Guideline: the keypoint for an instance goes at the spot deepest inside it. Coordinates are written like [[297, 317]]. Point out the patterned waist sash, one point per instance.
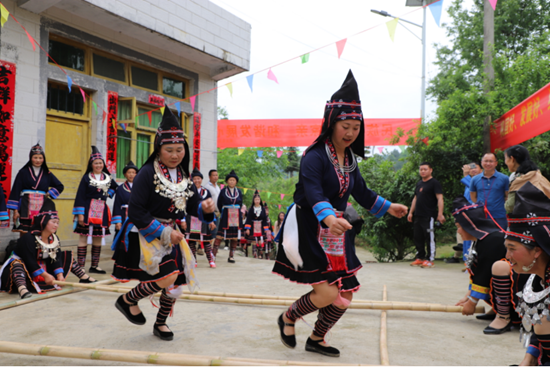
[[334, 247]]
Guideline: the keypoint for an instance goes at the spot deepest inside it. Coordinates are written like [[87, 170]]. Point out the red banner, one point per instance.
[[301, 132], [523, 122], [7, 101], [112, 111], [197, 140]]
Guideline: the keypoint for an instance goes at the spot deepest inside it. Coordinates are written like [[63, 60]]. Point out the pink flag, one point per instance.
[[282, 196], [83, 95], [493, 3], [192, 100], [221, 186], [30, 39], [380, 149], [279, 153], [279, 206], [150, 116], [340, 46], [272, 76], [104, 116]]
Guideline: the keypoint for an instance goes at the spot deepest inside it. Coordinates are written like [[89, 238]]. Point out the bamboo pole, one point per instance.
[[404, 306], [134, 356], [50, 294], [384, 356]]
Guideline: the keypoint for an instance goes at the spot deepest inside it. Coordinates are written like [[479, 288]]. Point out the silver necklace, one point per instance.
[[50, 248], [177, 192], [342, 168], [532, 308], [104, 185]]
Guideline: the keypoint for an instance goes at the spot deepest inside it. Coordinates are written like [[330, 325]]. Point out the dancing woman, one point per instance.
[[320, 254]]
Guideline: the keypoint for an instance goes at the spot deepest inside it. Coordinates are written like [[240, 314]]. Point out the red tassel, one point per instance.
[[337, 263]]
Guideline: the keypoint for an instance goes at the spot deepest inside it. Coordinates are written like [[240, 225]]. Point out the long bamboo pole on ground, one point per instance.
[[134, 356], [272, 302], [384, 356], [50, 294]]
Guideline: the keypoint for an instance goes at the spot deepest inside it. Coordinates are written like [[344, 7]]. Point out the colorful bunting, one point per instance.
[[245, 190], [124, 127], [380, 149], [392, 24], [230, 87], [221, 186], [493, 4], [272, 76], [31, 40], [150, 116], [279, 206], [425, 141], [104, 117], [402, 148], [305, 58], [95, 106], [282, 196], [436, 11], [260, 153], [340, 46], [240, 151], [162, 110], [69, 83], [268, 195], [83, 95], [279, 153], [192, 101], [178, 107], [4, 14], [250, 79], [114, 123]]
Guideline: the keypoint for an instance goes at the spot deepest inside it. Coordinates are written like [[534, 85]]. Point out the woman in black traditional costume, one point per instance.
[[315, 248], [93, 216], [150, 247], [37, 260], [122, 197], [32, 184], [229, 203], [256, 227], [200, 233]]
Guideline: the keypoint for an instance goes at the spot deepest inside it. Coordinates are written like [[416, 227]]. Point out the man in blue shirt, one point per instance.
[[491, 188]]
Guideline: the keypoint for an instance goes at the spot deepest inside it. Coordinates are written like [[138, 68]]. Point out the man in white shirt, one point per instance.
[[214, 189]]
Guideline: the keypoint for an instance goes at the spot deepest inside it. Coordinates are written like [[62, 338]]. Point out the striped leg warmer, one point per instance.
[[96, 251], [208, 250], [166, 304], [502, 290], [328, 316], [301, 307], [193, 247], [77, 269], [81, 255], [216, 246], [141, 291], [18, 274]]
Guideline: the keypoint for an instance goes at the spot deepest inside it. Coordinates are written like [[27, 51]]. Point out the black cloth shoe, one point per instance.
[[96, 270], [452, 260], [492, 331], [27, 294], [124, 307], [314, 346], [459, 247], [289, 341], [163, 335], [87, 280], [486, 316], [231, 260]]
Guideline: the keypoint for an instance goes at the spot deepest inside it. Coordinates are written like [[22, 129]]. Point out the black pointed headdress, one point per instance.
[[472, 218], [130, 165], [96, 154], [232, 174], [170, 132], [36, 150], [47, 212], [344, 105], [197, 173], [257, 194]]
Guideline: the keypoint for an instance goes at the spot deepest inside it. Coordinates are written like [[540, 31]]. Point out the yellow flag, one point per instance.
[[230, 87], [4, 14], [162, 110], [392, 24], [240, 151], [114, 123], [245, 190]]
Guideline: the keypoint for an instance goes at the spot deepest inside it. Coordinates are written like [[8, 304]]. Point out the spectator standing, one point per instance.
[[214, 189], [491, 188], [427, 206]]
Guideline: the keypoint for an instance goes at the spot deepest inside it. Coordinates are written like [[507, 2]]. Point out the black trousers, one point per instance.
[[424, 239]]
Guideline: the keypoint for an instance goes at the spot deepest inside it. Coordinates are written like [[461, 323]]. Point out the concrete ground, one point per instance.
[[89, 319]]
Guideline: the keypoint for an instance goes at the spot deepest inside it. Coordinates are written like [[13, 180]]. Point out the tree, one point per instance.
[[293, 161]]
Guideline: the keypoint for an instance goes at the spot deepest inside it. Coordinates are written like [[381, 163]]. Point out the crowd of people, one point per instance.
[[164, 217]]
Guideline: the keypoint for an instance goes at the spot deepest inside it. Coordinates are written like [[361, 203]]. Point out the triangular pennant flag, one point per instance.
[[305, 58], [279, 153], [425, 141], [31, 40], [104, 117], [150, 116], [240, 151], [192, 101], [124, 127], [340, 46], [178, 107], [230, 87], [402, 148], [162, 110], [279, 206], [83, 95], [95, 106], [380, 149], [245, 190], [436, 11], [69, 83], [5, 14], [392, 24], [493, 4], [268, 195], [250, 80], [282, 196], [222, 186], [260, 153], [272, 76], [114, 123]]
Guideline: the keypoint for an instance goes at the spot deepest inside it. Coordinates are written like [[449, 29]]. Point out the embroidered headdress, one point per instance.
[[472, 218], [197, 173], [343, 105], [36, 150], [232, 174], [47, 212], [96, 154], [130, 165]]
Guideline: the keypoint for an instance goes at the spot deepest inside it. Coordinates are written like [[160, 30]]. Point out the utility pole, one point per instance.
[[488, 47]]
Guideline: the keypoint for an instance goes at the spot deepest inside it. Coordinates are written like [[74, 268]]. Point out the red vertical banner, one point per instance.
[[197, 140], [7, 102], [112, 112]]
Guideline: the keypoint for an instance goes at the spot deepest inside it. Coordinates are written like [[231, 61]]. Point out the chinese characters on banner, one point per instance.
[[7, 99], [301, 132], [112, 110], [523, 122], [197, 140], [158, 100]]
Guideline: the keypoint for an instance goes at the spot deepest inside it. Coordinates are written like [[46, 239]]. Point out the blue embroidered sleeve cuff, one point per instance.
[[534, 351], [478, 295], [116, 219], [78, 210], [206, 218], [152, 231], [322, 210], [13, 205], [111, 193], [53, 193], [4, 216], [37, 273], [58, 271], [380, 207]]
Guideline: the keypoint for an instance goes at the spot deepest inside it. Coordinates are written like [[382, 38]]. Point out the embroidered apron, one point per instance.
[[257, 228], [196, 225], [95, 215], [35, 204], [233, 217], [334, 247]]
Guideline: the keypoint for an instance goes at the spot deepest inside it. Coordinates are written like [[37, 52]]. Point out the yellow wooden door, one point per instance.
[[67, 148]]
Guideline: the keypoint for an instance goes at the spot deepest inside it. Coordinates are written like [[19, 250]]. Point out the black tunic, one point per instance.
[[120, 206], [258, 220], [227, 202], [204, 233], [489, 250]]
